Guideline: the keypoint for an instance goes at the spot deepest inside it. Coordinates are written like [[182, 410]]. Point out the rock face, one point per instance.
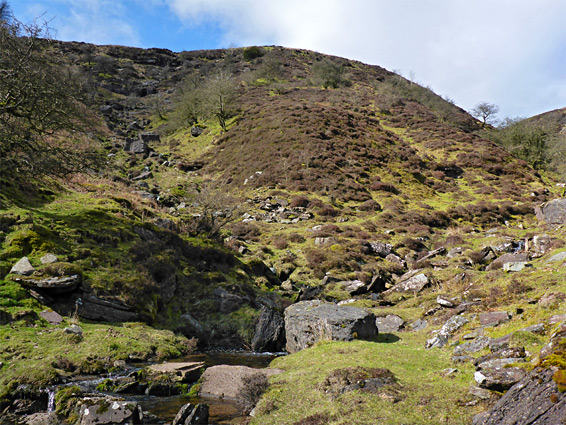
[[226, 381], [95, 308], [269, 331], [310, 321], [553, 212], [535, 399]]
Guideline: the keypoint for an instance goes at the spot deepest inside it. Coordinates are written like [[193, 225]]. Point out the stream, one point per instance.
[[221, 412]]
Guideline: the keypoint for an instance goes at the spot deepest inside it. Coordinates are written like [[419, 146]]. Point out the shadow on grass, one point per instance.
[[387, 338]]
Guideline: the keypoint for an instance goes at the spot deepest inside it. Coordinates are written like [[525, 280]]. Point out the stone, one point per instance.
[[447, 330], [23, 267], [49, 259], [53, 285], [269, 332], [108, 410], [52, 317], [534, 399], [136, 146], [308, 322], [353, 287], [175, 371], [479, 392], [499, 379], [499, 263], [551, 300], [553, 212], [541, 243], [503, 353], [381, 249], [150, 137], [414, 284], [473, 346], [226, 381], [446, 302], [94, 308], [455, 252], [42, 418], [557, 318], [191, 414], [514, 266], [226, 302], [499, 363], [143, 176], [389, 323], [556, 258], [419, 325], [500, 343], [190, 326], [539, 329], [74, 330], [493, 318], [196, 131]]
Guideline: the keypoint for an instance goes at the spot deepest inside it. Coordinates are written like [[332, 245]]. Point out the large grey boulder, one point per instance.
[[308, 322], [553, 212], [535, 399]]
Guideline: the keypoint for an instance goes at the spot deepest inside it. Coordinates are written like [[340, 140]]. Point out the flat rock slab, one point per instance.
[[181, 372], [52, 317], [494, 318], [55, 285], [226, 381], [308, 322]]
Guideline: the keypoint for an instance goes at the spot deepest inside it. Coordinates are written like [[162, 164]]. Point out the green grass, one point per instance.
[[427, 397]]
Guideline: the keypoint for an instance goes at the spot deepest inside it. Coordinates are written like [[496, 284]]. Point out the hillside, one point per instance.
[[314, 177]]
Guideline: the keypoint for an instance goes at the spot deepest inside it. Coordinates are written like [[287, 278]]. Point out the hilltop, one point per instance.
[[314, 177]]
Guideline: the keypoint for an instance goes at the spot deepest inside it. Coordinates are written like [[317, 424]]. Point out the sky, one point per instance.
[[511, 53]]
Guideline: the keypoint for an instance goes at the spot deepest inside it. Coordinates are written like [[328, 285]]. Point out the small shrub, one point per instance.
[[253, 52], [253, 387], [299, 201], [370, 205]]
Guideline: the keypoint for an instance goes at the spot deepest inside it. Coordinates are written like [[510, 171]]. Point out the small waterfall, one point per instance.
[[50, 399]]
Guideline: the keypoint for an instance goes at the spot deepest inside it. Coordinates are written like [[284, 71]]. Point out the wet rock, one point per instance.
[[49, 259], [227, 381], [494, 318], [23, 267], [191, 414], [389, 323], [108, 410], [535, 399], [307, 322], [52, 317], [269, 332], [53, 285], [175, 372]]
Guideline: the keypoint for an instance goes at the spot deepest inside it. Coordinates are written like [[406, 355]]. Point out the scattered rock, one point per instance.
[[473, 346], [307, 322], [136, 146], [479, 392], [23, 267], [521, 257], [49, 259], [389, 323], [447, 330], [494, 318], [414, 284], [381, 249], [52, 317], [227, 381], [550, 300], [541, 243], [446, 302], [196, 131], [455, 252], [539, 329], [499, 379]]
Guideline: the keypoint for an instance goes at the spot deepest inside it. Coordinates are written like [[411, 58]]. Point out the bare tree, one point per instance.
[[219, 97], [485, 111]]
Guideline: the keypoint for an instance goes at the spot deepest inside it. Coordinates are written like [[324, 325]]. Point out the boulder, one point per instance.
[[226, 302], [307, 322], [353, 287], [414, 284], [23, 267], [494, 318], [556, 258], [53, 285], [553, 212], [49, 259], [94, 308], [521, 257], [136, 146], [515, 266], [175, 371], [226, 381], [447, 330], [269, 332], [535, 399], [389, 323], [499, 379], [52, 317], [473, 346], [196, 131], [108, 410]]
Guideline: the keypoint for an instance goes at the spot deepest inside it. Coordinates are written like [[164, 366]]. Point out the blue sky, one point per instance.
[[508, 52]]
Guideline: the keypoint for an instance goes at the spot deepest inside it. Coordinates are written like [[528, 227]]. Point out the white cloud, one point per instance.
[[496, 50]]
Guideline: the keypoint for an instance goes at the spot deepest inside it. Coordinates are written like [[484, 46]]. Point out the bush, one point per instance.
[[253, 52]]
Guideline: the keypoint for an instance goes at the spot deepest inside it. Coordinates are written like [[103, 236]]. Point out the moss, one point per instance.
[[560, 378], [66, 400]]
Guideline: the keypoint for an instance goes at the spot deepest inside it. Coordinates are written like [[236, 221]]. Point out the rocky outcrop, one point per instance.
[[227, 381], [535, 399], [269, 332], [310, 321], [94, 308], [52, 285]]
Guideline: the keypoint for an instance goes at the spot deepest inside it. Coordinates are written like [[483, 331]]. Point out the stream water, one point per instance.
[[221, 411]]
